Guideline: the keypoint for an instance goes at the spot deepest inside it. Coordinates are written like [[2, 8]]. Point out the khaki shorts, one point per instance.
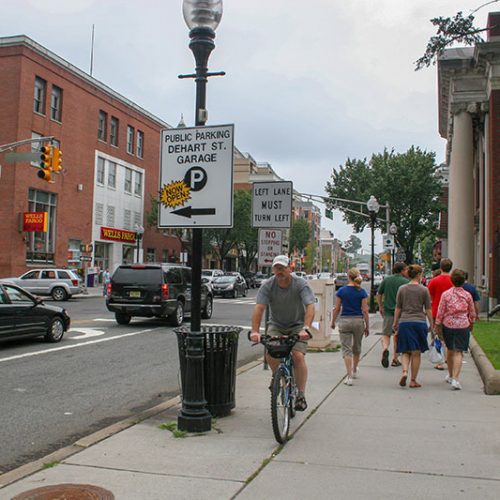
[[274, 330], [351, 331], [387, 326]]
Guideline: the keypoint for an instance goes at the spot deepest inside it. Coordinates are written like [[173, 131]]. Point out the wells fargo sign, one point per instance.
[[35, 221], [109, 233]]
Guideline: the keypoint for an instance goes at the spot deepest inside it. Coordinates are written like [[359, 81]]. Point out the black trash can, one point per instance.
[[221, 354]]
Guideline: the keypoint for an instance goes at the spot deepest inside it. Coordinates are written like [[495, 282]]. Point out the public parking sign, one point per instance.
[[270, 245], [196, 177], [272, 204]]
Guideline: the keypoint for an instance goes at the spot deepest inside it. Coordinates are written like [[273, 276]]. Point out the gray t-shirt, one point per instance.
[[413, 300], [287, 305]]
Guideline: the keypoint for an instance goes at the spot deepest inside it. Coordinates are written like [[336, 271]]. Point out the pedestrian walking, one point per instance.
[[456, 314], [106, 278], [352, 305], [436, 287], [469, 287], [386, 299], [413, 309]]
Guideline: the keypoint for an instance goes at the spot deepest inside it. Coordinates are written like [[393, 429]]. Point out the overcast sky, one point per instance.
[[309, 82]]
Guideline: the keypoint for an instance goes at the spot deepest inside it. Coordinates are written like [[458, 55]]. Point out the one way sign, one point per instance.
[[196, 177]]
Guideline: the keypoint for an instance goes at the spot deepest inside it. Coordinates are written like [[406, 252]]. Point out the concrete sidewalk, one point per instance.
[[369, 441]]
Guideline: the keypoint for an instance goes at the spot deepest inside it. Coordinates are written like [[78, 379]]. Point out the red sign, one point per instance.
[[109, 233], [35, 222]]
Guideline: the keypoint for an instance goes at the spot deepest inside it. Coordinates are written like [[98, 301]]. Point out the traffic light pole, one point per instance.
[[13, 145]]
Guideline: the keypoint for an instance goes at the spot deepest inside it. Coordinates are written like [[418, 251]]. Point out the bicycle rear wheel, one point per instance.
[[280, 406]]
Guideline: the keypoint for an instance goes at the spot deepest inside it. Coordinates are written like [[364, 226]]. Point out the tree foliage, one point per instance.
[[300, 235], [407, 181], [450, 30], [353, 244]]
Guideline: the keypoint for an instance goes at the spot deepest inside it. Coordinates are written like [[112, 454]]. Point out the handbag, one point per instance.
[[436, 352]]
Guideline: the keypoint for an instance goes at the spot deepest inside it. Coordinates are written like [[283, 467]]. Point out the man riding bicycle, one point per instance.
[[291, 303]]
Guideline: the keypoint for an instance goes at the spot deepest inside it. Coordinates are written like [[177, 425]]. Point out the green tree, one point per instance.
[[451, 30], [353, 244], [245, 236], [300, 234], [407, 181]]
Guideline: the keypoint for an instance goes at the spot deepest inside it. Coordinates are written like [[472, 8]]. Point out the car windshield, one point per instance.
[[207, 273], [137, 276], [225, 279]]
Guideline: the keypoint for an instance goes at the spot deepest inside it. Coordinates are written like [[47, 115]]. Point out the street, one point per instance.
[[100, 373]]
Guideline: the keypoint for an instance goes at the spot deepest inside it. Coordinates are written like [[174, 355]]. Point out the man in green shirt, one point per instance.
[[386, 298]]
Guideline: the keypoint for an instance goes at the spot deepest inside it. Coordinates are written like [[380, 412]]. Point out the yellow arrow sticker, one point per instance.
[[174, 194]]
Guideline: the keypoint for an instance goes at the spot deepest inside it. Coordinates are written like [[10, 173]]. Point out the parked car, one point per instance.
[[238, 275], [230, 286], [341, 279], [325, 276], [250, 279], [24, 315], [300, 274], [211, 274], [61, 284], [260, 278], [154, 290]]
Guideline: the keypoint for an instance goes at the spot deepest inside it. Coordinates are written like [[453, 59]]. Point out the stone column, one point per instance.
[[461, 194]]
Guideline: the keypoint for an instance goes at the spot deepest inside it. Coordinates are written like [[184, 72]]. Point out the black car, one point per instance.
[[230, 286], [154, 290], [24, 315]]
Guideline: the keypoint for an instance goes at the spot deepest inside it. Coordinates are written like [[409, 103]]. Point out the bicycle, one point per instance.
[[283, 387]]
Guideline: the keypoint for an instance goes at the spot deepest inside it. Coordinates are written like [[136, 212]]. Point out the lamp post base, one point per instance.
[[198, 423]]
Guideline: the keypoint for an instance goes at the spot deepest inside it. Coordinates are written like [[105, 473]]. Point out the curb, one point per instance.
[[100, 435], [489, 375]]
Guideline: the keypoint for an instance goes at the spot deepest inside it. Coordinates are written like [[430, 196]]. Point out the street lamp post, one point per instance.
[[393, 229], [202, 18], [373, 207], [139, 231]]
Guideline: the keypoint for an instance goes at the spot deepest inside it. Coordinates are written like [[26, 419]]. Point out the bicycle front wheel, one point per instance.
[[280, 406]]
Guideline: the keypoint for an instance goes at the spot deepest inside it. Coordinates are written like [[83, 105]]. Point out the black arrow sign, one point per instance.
[[190, 211]]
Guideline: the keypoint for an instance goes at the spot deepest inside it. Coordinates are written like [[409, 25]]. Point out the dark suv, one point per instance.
[[154, 290]]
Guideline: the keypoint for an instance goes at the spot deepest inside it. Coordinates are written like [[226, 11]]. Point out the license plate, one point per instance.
[[134, 294]]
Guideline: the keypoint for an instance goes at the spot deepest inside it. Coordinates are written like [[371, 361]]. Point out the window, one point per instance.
[[99, 214], [138, 184], [40, 246], [111, 174], [56, 103], [150, 255], [100, 170], [128, 180], [110, 216], [164, 255], [40, 90], [127, 219], [140, 144], [137, 219], [113, 133], [130, 139], [102, 126]]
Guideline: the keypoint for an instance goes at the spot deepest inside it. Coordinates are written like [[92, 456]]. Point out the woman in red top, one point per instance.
[[456, 313]]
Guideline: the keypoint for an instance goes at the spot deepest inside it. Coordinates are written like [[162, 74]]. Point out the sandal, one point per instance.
[[396, 362], [300, 403], [414, 384], [402, 381]]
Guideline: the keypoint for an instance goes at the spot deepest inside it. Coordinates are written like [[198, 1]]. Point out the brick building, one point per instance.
[[110, 166]]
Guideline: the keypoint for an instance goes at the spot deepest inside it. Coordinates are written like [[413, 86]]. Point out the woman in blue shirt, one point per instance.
[[352, 306]]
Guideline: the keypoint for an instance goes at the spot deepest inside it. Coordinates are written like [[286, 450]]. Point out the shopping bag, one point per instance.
[[436, 352]]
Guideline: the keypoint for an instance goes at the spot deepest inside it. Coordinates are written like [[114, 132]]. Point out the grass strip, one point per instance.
[[487, 335]]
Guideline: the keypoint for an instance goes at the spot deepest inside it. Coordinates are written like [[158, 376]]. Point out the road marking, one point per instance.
[[87, 333], [65, 347]]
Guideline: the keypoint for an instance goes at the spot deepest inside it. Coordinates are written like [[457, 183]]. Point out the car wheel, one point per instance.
[[59, 294], [55, 331], [235, 294], [177, 318], [244, 292], [208, 310], [122, 318]]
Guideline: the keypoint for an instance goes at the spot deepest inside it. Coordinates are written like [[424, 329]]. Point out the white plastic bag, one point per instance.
[[436, 352]]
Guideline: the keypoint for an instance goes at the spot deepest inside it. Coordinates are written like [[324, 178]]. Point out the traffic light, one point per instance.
[[56, 160], [45, 171]]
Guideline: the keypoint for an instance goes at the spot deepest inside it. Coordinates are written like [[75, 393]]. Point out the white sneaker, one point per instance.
[[455, 384], [348, 381], [355, 373], [448, 379]]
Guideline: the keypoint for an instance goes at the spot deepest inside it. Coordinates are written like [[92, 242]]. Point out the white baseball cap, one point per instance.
[[281, 260]]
